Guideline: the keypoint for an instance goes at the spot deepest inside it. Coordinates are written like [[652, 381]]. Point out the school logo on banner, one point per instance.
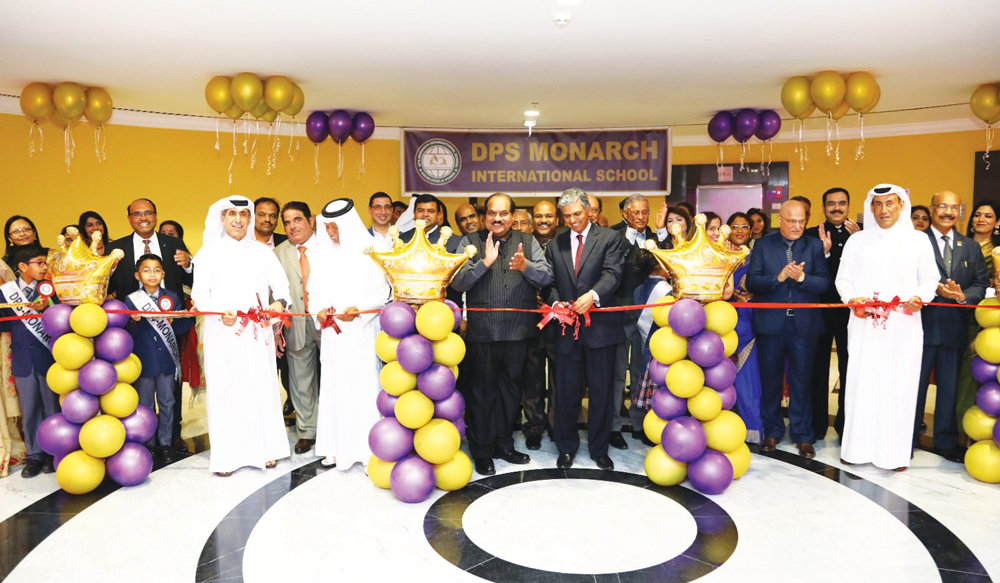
[[438, 161]]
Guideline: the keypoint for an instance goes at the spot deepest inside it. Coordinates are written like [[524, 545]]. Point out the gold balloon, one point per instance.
[[279, 92], [99, 106], [977, 424], [795, 97], [260, 109], [298, 101], [993, 120], [69, 100], [985, 102], [827, 91], [871, 106], [57, 119], [36, 101], [841, 111], [269, 116], [80, 274], [861, 88], [234, 112], [982, 461], [218, 94], [247, 91]]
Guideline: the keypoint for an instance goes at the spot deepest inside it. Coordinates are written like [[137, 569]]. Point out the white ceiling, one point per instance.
[[479, 63]]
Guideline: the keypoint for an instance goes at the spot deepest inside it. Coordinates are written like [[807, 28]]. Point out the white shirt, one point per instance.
[[574, 243], [635, 236], [383, 243], [26, 288], [939, 238], [139, 248]]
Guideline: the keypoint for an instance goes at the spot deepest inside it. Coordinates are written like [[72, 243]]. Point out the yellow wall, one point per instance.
[[183, 173]]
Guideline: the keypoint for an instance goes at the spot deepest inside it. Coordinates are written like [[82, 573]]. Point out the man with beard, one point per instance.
[[265, 221], [963, 280], [509, 274], [833, 233], [380, 211], [466, 219]]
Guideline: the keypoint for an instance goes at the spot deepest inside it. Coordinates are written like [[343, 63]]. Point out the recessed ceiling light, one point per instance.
[[531, 113]]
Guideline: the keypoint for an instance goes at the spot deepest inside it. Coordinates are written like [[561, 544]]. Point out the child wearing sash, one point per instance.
[[156, 345], [30, 352]]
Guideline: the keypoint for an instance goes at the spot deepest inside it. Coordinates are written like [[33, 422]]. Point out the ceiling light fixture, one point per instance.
[[533, 112], [529, 123], [562, 19]]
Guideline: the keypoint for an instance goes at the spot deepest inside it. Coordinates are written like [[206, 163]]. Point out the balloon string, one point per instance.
[[829, 130], [270, 149], [292, 139], [41, 138], [66, 148], [805, 145], [217, 131], [104, 142], [340, 161], [794, 141], [989, 144], [246, 135], [860, 153], [770, 153], [31, 139], [802, 151], [276, 149], [762, 171], [837, 124], [97, 143], [361, 170], [316, 161], [253, 148], [743, 153], [233, 159], [719, 159]]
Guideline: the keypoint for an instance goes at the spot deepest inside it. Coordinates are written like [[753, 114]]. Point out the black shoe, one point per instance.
[[48, 467], [31, 469], [289, 408], [180, 447], [533, 442], [955, 455], [513, 457], [604, 462], [617, 441], [564, 461], [484, 467], [641, 436]]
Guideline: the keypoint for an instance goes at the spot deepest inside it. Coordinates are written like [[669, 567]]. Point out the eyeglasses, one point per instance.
[[946, 207], [140, 214], [148, 271], [21, 231], [42, 262], [794, 222]]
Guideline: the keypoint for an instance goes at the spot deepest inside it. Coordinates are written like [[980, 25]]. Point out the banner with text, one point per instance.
[[475, 163]]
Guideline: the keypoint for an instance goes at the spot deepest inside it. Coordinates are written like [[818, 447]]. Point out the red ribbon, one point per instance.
[[330, 322]]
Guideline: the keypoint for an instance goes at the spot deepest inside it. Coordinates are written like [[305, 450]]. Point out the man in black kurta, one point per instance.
[[511, 269]]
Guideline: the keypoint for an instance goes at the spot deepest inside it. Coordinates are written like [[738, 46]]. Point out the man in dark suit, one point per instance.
[[587, 264], [787, 268], [177, 272], [833, 234], [426, 209], [964, 280], [265, 210]]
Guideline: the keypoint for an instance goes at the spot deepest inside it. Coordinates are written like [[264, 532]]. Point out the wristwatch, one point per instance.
[[801, 278]]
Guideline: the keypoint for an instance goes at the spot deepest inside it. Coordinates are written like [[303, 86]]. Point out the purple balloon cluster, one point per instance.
[[340, 125], [59, 434], [412, 478], [746, 124]]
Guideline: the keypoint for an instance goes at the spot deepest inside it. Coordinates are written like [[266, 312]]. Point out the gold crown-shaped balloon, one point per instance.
[[79, 274], [418, 271], [699, 268]]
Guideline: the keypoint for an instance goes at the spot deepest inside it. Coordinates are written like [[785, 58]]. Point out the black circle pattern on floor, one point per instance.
[[714, 542]]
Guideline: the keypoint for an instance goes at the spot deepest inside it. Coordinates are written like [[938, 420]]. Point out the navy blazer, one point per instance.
[[766, 262], [28, 354], [123, 281], [949, 327], [601, 271], [152, 352]]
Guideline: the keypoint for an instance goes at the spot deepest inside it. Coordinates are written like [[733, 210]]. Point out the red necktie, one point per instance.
[[146, 250], [579, 253], [304, 268]]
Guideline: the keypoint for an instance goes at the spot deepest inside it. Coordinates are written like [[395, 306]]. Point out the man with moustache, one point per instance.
[[509, 274], [297, 255], [587, 265], [426, 209], [522, 221], [466, 219], [265, 221], [380, 211], [787, 268], [963, 280], [833, 233]]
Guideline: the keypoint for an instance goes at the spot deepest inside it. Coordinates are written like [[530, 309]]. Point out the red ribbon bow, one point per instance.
[[330, 322], [565, 315]]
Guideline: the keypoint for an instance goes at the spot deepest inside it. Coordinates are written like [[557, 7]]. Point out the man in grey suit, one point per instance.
[[587, 265], [302, 338]]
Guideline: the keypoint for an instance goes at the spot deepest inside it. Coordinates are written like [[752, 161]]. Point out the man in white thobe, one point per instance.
[[245, 424], [346, 281], [891, 259]]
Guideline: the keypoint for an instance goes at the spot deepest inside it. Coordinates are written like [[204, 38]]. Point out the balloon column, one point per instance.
[[982, 460], [697, 436], [102, 426], [339, 125], [64, 105], [985, 104], [745, 124]]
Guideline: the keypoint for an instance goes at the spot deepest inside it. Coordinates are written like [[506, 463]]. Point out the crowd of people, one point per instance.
[[559, 252]]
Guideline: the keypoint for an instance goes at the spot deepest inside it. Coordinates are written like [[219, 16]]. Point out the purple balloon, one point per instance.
[[398, 319], [667, 405], [687, 317], [744, 126], [450, 408], [116, 320], [728, 397], [658, 372], [389, 440], [684, 438], [457, 311], [130, 466], [98, 376], [79, 406], [988, 398], [982, 371], [386, 404], [437, 382], [113, 345], [55, 320], [721, 126], [140, 426], [56, 459], [721, 375], [768, 124], [460, 425], [711, 473], [412, 480], [363, 126], [317, 126], [341, 125], [415, 353], [58, 435], [706, 349]]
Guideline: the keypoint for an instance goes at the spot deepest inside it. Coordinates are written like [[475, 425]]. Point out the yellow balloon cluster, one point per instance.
[[831, 93], [245, 92], [985, 103], [982, 460], [65, 104]]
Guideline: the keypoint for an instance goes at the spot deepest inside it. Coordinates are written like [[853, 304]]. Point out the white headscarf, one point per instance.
[[903, 224], [215, 231], [405, 221], [343, 275]]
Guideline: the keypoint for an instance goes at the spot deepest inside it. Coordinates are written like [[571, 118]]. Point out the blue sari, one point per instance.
[[747, 369]]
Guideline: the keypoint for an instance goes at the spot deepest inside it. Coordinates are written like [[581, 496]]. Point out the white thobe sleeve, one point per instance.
[[201, 290], [846, 273]]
